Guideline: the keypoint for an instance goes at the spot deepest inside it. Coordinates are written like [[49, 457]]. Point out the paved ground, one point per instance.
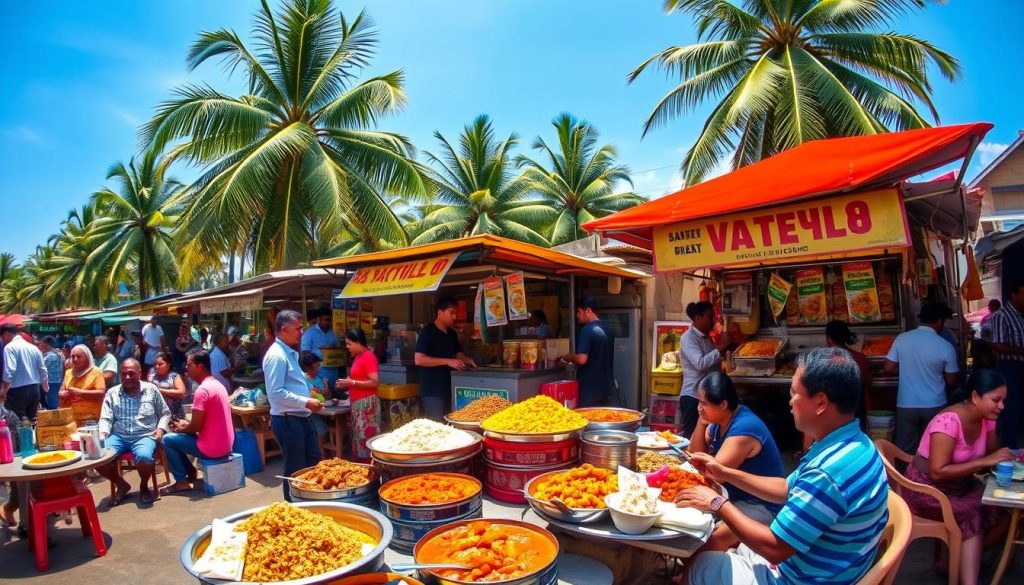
[[144, 543]]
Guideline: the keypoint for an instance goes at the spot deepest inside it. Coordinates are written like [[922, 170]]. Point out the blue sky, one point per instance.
[[79, 77]]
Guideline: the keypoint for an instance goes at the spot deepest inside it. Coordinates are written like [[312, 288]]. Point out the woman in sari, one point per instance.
[[84, 387], [361, 383]]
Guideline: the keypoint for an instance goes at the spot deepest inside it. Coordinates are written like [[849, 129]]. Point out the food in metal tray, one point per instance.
[[429, 488], [540, 414], [423, 436], [480, 409], [760, 348], [608, 415], [878, 346], [496, 551], [336, 474], [649, 461], [581, 487]]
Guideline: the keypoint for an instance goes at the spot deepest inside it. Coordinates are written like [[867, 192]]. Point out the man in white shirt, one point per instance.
[[927, 366], [290, 404], [153, 342], [24, 373], [220, 362]]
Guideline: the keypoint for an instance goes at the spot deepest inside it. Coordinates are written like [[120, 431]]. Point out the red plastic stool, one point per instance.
[[40, 509]]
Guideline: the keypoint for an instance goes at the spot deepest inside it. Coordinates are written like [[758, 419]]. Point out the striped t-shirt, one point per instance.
[[836, 512], [1008, 327]]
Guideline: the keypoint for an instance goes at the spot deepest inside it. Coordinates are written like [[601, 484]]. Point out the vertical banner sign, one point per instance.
[[494, 302], [810, 292], [517, 310], [336, 301], [478, 313], [366, 315], [737, 294], [861, 294], [778, 291], [338, 322], [856, 222], [352, 314]]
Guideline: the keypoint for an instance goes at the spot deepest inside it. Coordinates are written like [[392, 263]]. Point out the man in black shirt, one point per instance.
[[595, 356], [438, 352]]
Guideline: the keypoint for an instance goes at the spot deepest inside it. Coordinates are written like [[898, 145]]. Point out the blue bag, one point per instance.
[[245, 443]]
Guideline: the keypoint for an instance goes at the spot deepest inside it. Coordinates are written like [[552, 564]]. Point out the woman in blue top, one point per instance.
[[737, 438]]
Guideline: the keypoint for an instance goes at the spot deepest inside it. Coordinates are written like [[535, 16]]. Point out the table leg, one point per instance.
[[339, 447], [1008, 547]]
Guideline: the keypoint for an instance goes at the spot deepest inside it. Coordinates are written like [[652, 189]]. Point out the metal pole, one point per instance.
[[572, 311], [304, 313]]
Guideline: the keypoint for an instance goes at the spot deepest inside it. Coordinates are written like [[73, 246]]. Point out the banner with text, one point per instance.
[[232, 304], [846, 223], [399, 278]]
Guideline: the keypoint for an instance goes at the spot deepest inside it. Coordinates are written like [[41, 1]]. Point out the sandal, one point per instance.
[[119, 497], [147, 497], [171, 489]]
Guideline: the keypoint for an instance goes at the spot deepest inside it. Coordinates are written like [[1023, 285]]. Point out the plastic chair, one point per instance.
[[945, 530], [40, 510], [893, 545], [126, 463]]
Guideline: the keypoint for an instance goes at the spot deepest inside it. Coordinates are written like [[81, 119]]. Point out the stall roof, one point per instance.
[[812, 169], [16, 319], [493, 249], [281, 283]]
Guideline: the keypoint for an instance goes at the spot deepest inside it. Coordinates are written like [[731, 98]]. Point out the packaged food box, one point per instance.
[[56, 417], [55, 435], [666, 383]]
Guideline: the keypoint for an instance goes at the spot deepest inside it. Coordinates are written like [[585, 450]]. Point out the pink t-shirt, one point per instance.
[[218, 434], [364, 365], [948, 423]]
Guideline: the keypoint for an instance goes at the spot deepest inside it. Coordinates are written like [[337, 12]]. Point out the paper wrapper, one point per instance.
[[225, 557]]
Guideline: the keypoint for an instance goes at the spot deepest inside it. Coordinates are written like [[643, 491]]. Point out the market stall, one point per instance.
[[830, 230]]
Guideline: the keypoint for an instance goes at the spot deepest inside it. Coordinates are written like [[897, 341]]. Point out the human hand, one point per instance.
[[997, 456], [724, 341], [470, 362], [179, 425], [314, 405], [343, 383], [708, 466], [699, 497], [64, 394], [456, 364], [158, 434]]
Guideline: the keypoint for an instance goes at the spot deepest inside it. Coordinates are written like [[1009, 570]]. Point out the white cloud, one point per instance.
[[126, 116], [990, 151], [22, 133]]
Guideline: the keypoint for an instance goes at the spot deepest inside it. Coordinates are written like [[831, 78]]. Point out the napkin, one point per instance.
[[686, 519], [224, 558]]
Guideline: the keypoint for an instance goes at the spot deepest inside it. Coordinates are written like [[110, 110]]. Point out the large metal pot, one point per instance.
[[610, 449], [350, 516], [546, 575], [301, 490], [546, 508], [632, 424], [431, 457]]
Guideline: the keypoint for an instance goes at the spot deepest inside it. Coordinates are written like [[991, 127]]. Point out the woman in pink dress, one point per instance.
[[362, 383], [959, 442]]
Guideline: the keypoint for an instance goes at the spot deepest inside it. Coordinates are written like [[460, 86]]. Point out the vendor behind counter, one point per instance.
[[438, 352]]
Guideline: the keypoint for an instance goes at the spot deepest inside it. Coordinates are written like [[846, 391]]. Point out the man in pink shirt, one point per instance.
[[209, 434]]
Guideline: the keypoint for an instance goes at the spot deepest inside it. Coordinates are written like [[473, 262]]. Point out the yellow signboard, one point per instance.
[[399, 278], [866, 221]]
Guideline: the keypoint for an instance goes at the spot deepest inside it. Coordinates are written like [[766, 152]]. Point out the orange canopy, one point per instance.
[[813, 169]]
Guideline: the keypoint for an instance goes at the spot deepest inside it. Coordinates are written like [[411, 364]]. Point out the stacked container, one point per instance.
[[511, 460]]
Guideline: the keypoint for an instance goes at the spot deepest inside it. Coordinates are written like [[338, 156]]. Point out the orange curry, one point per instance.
[[608, 415], [496, 551], [429, 488]]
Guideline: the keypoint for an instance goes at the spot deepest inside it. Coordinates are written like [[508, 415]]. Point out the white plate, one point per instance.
[[650, 440], [28, 464]]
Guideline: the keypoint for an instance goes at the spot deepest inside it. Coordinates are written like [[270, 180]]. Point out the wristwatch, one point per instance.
[[717, 503]]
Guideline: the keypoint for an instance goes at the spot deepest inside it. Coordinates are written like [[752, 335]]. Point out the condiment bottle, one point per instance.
[[27, 438], [6, 443]]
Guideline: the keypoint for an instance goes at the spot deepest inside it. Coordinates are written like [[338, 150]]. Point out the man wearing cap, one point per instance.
[[153, 342], [595, 347], [318, 337]]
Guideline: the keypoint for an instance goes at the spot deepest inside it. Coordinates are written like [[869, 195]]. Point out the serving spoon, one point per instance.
[[403, 567]]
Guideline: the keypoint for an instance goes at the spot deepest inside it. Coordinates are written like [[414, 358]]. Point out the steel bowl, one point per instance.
[[348, 515], [533, 437], [542, 576], [298, 489], [627, 425], [546, 508], [473, 426], [431, 457]]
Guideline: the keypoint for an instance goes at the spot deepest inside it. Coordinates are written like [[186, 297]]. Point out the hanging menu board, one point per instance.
[[861, 292], [810, 292], [494, 302], [516, 286]]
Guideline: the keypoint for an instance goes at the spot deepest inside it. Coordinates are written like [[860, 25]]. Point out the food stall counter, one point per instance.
[[511, 384]]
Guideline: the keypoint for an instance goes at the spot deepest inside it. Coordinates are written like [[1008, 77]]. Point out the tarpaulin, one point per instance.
[[813, 169]]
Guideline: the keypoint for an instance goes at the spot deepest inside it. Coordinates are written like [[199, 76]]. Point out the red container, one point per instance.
[[505, 482], [511, 453], [564, 392], [663, 427]]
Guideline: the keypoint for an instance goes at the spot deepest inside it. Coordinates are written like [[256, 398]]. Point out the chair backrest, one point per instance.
[[890, 455], [893, 544]]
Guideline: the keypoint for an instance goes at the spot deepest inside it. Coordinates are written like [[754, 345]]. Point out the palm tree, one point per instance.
[[8, 265], [789, 71], [476, 192], [66, 274], [580, 184], [24, 289], [296, 158], [134, 223]]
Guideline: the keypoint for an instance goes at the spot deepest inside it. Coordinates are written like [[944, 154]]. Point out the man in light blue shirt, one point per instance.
[[290, 402], [927, 365], [23, 373], [319, 336]]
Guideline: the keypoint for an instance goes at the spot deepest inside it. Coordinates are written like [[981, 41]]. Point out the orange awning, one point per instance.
[[813, 169]]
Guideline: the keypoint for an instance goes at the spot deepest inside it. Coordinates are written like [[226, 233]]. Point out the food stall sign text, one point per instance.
[[855, 222], [399, 278], [464, 396], [238, 304]]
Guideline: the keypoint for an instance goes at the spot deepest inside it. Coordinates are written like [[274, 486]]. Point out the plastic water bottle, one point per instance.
[[27, 438], [6, 443]]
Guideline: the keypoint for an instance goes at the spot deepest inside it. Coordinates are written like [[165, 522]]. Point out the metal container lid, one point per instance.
[[610, 438]]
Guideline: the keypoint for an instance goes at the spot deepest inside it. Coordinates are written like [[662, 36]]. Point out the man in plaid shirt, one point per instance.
[[133, 420], [1008, 343]]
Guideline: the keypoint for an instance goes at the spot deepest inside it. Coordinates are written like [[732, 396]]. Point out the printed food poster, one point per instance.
[[494, 302], [338, 322], [352, 314], [737, 294], [366, 315], [861, 293], [517, 310], [810, 292], [778, 291], [477, 311]]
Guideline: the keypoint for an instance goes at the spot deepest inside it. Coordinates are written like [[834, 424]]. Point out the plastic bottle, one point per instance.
[[27, 438], [6, 443]]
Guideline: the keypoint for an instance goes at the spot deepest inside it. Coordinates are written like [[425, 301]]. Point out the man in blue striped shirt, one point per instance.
[[834, 504]]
